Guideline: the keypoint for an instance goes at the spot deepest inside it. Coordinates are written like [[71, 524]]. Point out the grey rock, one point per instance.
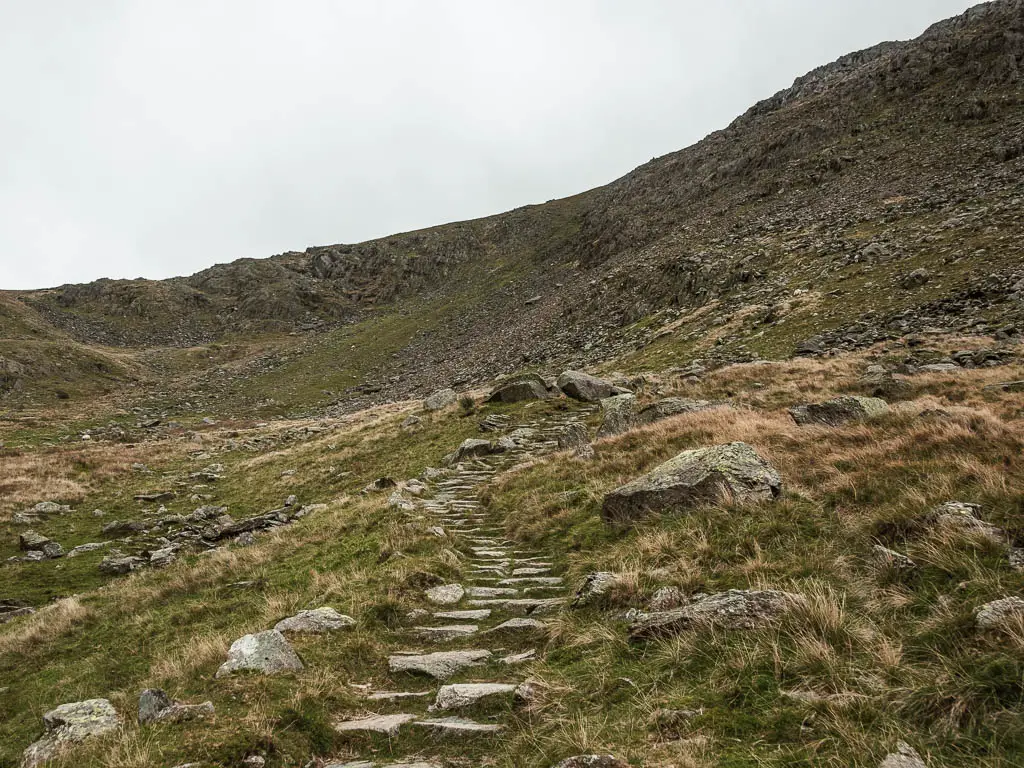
[[457, 726], [70, 724], [83, 548], [735, 609], [595, 585], [839, 410], [965, 517], [573, 437], [586, 388], [520, 625], [440, 665], [667, 598], [892, 559], [592, 761], [388, 724], [31, 541], [1000, 614], [472, 448], [446, 594], [721, 473], [266, 652], [619, 415], [161, 558], [672, 406], [466, 694], [117, 565], [157, 706], [524, 387], [315, 621], [442, 398], [446, 632], [905, 756]]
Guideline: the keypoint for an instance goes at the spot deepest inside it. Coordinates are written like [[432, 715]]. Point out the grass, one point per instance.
[[865, 656]]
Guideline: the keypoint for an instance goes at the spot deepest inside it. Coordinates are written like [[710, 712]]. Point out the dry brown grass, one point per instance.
[[45, 625]]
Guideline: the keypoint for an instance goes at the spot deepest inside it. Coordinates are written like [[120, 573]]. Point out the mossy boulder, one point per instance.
[[839, 410]]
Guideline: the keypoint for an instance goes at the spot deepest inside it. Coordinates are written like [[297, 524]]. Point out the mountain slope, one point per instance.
[[805, 217]]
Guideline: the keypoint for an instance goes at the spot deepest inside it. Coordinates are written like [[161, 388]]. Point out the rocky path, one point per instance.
[[460, 668]]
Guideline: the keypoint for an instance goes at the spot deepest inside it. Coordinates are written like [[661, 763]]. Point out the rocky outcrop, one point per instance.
[[734, 472], [839, 410], [735, 609]]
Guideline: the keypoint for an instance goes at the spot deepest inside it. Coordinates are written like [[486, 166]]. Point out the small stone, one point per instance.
[[595, 586], [667, 598], [592, 761], [892, 559]]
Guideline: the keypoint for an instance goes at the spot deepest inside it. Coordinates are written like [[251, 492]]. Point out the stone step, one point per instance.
[[386, 724], [458, 726], [522, 605], [491, 592], [440, 665], [520, 625], [447, 632], [397, 695], [477, 615], [462, 695], [548, 581], [530, 571]]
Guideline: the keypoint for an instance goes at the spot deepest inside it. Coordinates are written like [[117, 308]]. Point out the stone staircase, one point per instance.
[[461, 670]]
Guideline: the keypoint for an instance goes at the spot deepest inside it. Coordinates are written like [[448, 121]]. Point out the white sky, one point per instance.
[[150, 138]]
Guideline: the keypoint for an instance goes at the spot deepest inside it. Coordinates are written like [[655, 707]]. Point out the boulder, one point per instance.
[[619, 413], [721, 473], [440, 399], [315, 621], [525, 387], [1001, 614], [70, 724], [573, 436], [735, 609], [472, 448], [587, 388], [30, 541], [838, 410], [672, 406], [266, 652]]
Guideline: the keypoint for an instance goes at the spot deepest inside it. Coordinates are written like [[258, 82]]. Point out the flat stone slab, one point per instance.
[[530, 571], [520, 625], [734, 609], [519, 658], [448, 632], [397, 695], [457, 726], [365, 764], [477, 615], [387, 724], [550, 581], [440, 665], [526, 605], [466, 694], [315, 621], [267, 652], [446, 594], [491, 592]]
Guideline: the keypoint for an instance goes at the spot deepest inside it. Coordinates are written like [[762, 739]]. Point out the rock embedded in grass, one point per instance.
[[446, 594], [905, 756], [1001, 614], [733, 472], [266, 652], [592, 761], [839, 410], [440, 665], [155, 706], [673, 406], [70, 724], [440, 399], [315, 621], [734, 609], [595, 586]]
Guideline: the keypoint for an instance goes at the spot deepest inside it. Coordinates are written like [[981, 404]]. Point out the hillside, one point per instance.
[[359, 506], [878, 195]]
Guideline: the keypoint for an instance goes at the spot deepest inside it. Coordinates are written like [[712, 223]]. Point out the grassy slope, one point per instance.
[[901, 654]]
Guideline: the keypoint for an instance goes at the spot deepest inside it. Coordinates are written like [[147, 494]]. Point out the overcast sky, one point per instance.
[[150, 138]]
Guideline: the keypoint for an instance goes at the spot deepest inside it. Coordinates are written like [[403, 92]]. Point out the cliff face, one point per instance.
[[906, 156]]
